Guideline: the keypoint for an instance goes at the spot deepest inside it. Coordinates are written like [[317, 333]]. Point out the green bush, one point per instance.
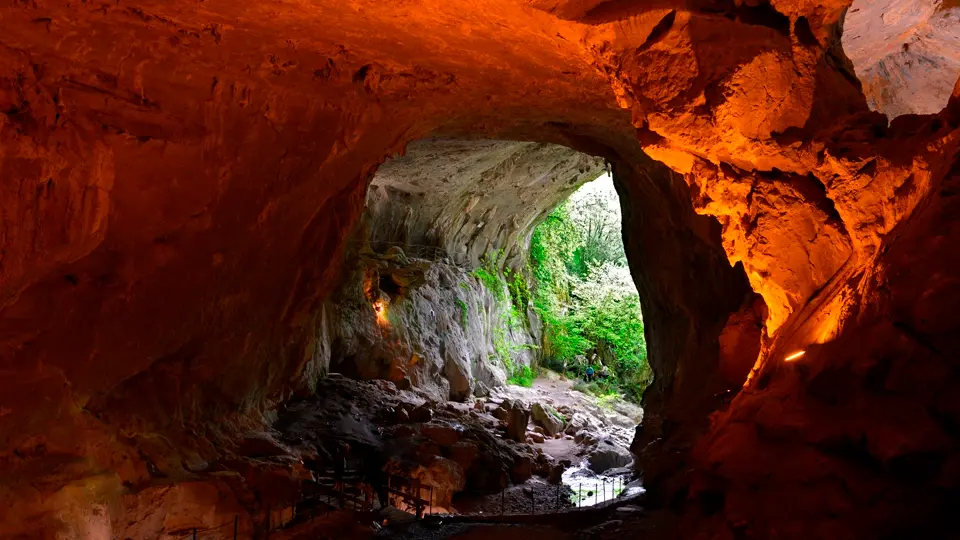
[[489, 274], [463, 312], [585, 296], [522, 376]]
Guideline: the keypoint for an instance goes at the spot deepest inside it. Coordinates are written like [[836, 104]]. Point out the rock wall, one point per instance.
[[470, 199], [906, 53], [409, 309], [423, 324]]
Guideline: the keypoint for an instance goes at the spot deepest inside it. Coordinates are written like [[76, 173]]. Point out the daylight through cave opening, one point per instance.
[[585, 296]]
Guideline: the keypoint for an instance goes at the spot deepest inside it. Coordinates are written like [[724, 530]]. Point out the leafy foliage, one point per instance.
[[523, 376], [489, 274], [463, 312], [585, 296], [510, 283]]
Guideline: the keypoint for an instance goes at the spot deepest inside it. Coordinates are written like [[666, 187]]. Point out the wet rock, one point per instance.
[[585, 437], [537, 437], [578, 422], [546, 417]]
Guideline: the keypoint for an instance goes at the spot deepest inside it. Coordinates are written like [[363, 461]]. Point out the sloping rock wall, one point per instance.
[[439, 335]]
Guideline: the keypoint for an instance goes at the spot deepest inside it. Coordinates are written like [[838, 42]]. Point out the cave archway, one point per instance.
[[462, 199]]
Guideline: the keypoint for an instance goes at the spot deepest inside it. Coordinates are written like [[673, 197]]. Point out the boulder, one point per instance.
[[556, 474], [400, 416], [517, 421], [577, 422], [446, 477], [480, 389], [522, 469], [608, 455], [585, 437], [442, 433], [465, 454], [457, 372], [421, 414], [537, 437], [547, 417]]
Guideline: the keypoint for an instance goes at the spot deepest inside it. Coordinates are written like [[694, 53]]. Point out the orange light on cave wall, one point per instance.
[[380, 308], [794, 356]]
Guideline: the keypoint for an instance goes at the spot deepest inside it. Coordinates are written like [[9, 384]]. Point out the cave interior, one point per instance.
[[206, 209]]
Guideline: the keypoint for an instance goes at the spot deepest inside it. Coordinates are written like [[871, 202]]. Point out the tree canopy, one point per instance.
[[585, 295]]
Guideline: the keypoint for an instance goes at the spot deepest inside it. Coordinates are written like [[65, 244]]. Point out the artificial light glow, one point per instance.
[[794, 356], [380, 307]]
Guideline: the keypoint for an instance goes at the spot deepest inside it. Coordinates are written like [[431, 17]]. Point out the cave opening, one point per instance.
[[515, 281], [585, 296]]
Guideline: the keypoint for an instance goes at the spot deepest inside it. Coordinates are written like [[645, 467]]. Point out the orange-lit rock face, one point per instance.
[[907, 53], [177, 179]]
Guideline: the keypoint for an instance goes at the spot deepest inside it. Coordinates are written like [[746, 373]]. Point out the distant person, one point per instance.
[[589, 375], [604, 372]]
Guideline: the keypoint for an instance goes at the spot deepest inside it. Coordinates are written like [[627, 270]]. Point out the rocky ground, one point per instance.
[[519, 439]]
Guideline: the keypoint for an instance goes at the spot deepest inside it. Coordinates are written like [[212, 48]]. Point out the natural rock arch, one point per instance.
[[178, 181]]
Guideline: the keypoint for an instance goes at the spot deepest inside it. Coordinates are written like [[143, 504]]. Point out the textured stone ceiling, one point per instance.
[[906, 52], [471, 198]]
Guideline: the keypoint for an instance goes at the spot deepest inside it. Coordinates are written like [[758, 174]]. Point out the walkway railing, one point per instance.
[[334, 490]]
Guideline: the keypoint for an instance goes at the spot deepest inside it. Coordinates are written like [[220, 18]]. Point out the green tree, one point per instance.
[[584, 294]]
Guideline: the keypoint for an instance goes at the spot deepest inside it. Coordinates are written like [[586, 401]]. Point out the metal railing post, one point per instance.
[[503, 501], [579, 494], [236, 526]]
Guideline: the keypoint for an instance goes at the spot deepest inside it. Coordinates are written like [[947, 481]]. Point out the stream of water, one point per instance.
[[590, 489]]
